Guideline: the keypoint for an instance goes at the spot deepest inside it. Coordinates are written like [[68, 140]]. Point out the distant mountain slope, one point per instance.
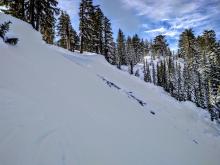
[[63, 108]]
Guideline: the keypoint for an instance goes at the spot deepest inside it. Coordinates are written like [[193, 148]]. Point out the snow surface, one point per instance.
[[63, 108]]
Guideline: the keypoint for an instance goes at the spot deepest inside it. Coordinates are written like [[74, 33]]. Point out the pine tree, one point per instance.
[[208, 45], [112, 55], [170, 75], [38, 10], [137, 48], [17, 8], [187, 83], [121, 58], [130, 60], [153, 73], [186, 42], [98, 27], [195, 66], [160, 45], [159, 79], [68, 36], [180, 93], [146, 51], [164, 76], [48, 29], [202, 92], [147, 74], [142, 51], [4, 28], [85, 27], [187, 51], [214, 77], [109, 45]]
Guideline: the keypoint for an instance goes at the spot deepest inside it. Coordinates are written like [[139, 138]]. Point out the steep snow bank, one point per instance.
[[56, 109]]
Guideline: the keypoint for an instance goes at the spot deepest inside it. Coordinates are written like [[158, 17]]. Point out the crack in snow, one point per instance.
[[129, 94]]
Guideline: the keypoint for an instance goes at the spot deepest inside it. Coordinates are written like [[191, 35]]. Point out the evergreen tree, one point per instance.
[[86, 16], [68, 36], [109, 45], [186, 42], [4, 28], [153, 73], [146, 51], [180, 93], [130, 59], [147, 74], [159, 79], [48, 28], [112, 55], [187, 83], [195, 66], [142, 51], [160, 46], [170, 75], [165, 76], [98, 28], [17, 8], [214, 80], [137, 48], [121, 54], [38, 10]]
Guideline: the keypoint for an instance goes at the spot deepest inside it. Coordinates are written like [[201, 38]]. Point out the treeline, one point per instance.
[[192, 74], [201, 75]]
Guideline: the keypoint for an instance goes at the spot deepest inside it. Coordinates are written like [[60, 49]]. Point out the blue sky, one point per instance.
[[149, 18]]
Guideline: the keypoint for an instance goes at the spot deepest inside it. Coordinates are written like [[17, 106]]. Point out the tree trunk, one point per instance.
[[32, 13], [81, 44], [22, 10], [132, 67]]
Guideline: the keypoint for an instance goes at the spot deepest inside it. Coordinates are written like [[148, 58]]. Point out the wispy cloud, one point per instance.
[[162, 9], [158, 30], [162, 31], [171, 17], [177, 25]]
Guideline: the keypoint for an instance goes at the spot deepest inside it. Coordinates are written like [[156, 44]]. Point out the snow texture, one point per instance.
[[55, 110]]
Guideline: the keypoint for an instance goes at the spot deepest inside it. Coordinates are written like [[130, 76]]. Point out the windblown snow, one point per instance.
[[63, 108]]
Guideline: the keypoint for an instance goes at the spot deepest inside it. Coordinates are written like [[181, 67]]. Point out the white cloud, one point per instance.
[[173, 24], [162, 31], [189, 21], [171, 33], [162, 9], [159, 30], [170, 9]]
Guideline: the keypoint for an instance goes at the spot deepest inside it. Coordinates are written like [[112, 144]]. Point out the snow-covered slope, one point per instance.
[[63, 108]]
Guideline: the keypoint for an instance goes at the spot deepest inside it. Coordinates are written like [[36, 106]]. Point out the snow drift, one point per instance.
[[63, 108]]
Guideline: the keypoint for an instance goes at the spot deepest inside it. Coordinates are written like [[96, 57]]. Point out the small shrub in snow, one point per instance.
[[4, 28]]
